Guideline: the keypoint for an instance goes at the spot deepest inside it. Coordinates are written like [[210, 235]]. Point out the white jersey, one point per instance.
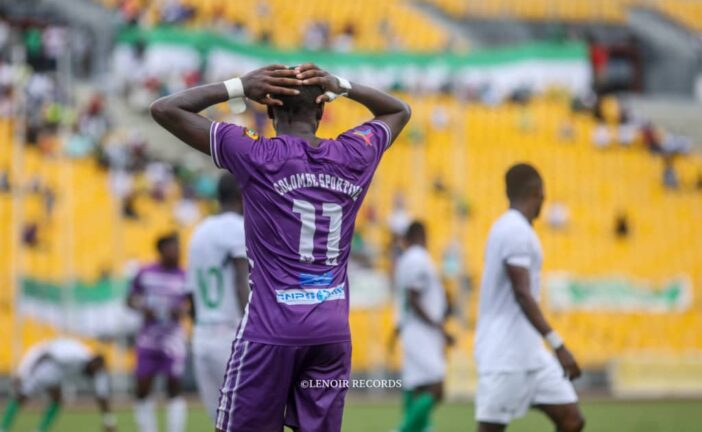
[[215, 242], [505, 339], [423, 345], [50, 363], [68, 354]]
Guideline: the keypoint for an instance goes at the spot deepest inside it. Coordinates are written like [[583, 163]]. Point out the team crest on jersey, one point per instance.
[[251, 133], [366, 134]]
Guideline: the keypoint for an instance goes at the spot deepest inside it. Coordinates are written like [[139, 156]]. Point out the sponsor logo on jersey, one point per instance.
[[313, 280], [308, 296], [366, 134], [251, 133]]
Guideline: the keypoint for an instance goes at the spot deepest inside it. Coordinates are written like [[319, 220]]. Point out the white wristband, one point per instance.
[[554, 340], [235, 88], [344, 84]]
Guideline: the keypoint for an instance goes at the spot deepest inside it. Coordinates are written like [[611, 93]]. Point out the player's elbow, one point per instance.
[[159, 109], [405, 112]]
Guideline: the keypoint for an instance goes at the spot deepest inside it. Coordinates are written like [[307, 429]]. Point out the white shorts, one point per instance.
[[211, 352], [504, 396], [423, 363]]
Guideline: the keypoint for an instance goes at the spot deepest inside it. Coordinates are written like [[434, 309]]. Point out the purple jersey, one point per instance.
[[300, 208], [163, 291]]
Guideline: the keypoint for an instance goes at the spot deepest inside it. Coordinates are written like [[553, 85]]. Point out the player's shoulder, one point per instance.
[[510, 223], [368, 139], [415, 255]]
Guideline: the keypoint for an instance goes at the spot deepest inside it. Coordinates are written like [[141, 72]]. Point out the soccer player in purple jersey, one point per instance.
[[301, 194], [159, 293]]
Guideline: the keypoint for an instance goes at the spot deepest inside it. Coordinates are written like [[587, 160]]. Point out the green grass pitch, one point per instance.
[[383, 416]]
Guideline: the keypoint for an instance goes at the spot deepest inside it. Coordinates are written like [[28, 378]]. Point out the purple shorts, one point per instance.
[[151, 362], [269, 386]]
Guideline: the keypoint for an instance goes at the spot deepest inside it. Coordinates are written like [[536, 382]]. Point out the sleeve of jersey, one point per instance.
[[231, 146], [237, 247], [516, 250], [368, 141], [417, 277]]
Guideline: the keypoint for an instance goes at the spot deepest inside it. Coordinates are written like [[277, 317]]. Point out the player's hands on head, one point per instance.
[[311, 74], [261, 83], [567, 361]]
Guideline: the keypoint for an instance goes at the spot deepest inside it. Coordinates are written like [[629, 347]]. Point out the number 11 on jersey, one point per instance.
[[308, 218]]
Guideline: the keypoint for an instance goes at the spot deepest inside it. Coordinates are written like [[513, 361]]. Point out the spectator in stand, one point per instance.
[[651, 138], [627, 128], [621, 226], [557, 215], [316, 36], [344, 41], [670, 175], [600, 136]]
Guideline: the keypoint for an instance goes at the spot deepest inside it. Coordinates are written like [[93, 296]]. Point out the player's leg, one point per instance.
[[566, 417], [423, 372], [210, 364], [144, 405], [502, 397], [13, 406], [491, 427], [52, 409], [424, 399], [256, 387], [555, 396], [313, 408], [177, 409]]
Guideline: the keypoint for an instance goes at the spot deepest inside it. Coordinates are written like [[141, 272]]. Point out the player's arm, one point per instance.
[[179, 112], [416, 307], [392, 111], [520, 280], [101, 384], [241, 282]]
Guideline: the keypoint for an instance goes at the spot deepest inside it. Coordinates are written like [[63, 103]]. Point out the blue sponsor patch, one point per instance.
[[310, 296], [313, 280]]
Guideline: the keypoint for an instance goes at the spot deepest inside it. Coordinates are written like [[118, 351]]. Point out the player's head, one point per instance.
[[301, 109], [168, 247], [525, 188], [416, 234], [94, 365], [228, 192]]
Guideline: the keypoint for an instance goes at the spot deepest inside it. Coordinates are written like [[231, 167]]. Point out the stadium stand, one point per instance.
[[457, 153], [375, 26], [687, 12]]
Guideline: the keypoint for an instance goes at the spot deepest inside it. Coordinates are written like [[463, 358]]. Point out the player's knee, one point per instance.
[[572, 423]]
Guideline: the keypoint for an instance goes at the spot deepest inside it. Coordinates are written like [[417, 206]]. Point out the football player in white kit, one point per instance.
[[218, 283], [515, 370], [45, 367], [423, 311]]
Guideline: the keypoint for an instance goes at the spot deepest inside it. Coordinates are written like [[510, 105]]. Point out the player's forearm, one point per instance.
[[420, 312], [378, 102], [533, 313], [192, 100], [178, 113]]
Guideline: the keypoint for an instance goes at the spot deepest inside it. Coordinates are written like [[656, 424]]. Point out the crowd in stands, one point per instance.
[[369, 26]]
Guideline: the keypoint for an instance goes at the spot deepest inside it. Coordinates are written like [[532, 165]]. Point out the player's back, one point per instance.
[[300, 206], [215, 242], [505, 340]]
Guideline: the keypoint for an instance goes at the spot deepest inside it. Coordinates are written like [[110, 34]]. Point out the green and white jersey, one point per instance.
[[210, 275]]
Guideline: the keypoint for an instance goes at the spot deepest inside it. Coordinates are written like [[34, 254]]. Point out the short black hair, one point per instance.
[[520, 178], [228, 189], [165, 239], [297, 106], [415, 231]]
